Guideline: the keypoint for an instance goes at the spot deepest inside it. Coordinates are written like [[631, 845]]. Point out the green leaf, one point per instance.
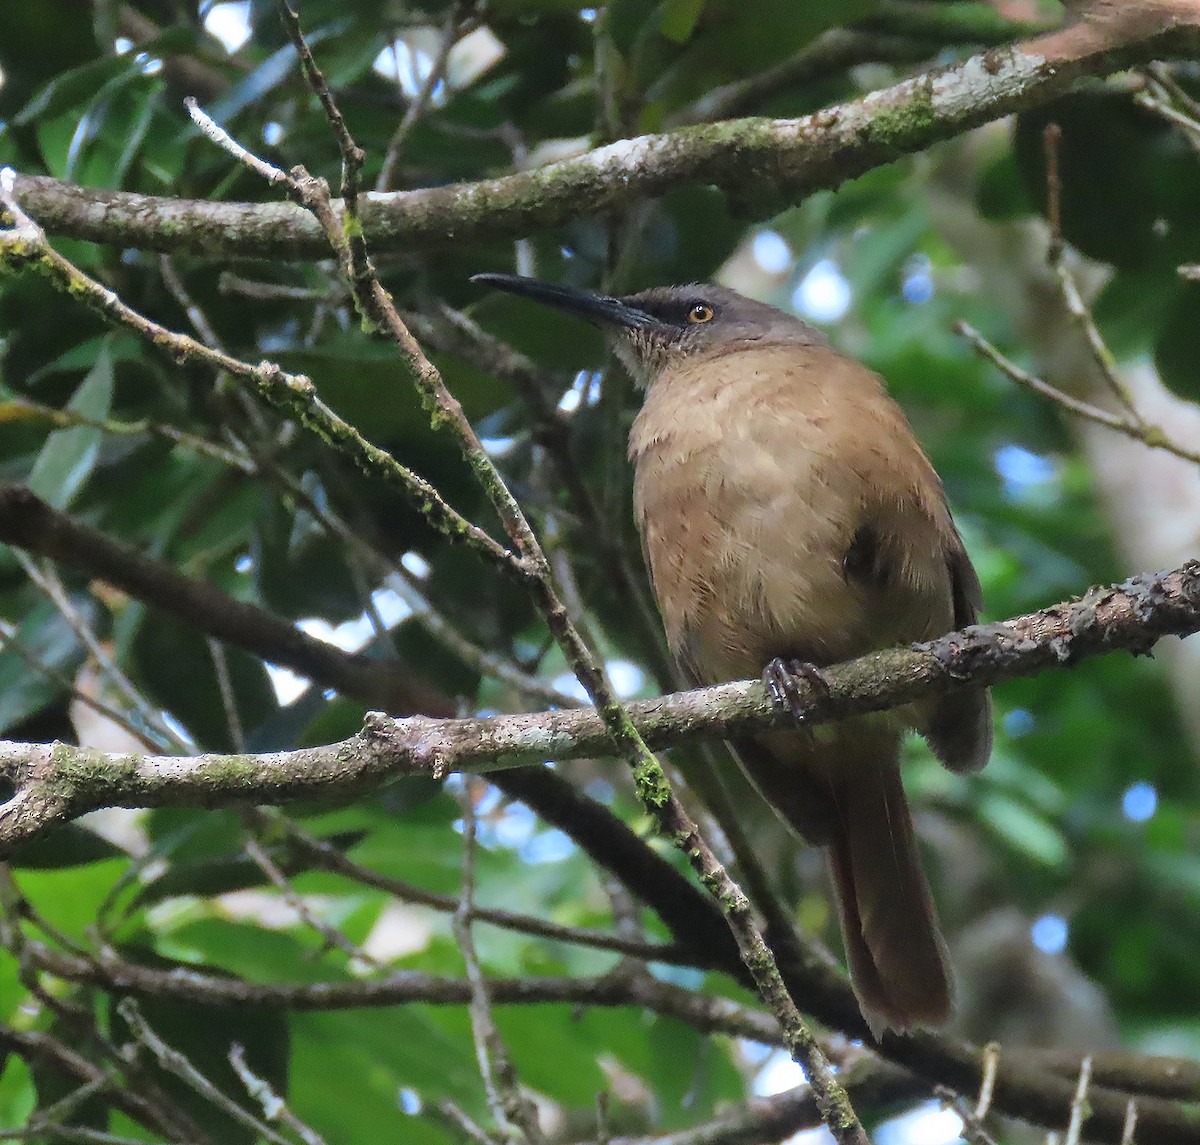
[[84, 355], [69, 897], [66, 460], [73, 88], [48, 641], [679, 18], [18, 1097], [1023, 829]]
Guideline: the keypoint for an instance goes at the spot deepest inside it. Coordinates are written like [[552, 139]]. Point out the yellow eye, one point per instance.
[[701, 312]]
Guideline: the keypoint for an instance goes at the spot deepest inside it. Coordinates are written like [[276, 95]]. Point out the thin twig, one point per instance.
[[514, 1112], [1164, 97], [326, 856], [1051, 137], [1151, 435], [1130, 1127], [331, 937], [973, 1130], [405, 585], [66, 1061], [128, 1085], [39, 1128], [1056, 257], [9, 642], [178, 1064], [352, 154], [25, 243], [195, 313], [65, 1106], [233, 721], [452, 30], [273, 1106], [1079, 1103], [447, 1112], [987, 1086], [66, 418], [48, 581]]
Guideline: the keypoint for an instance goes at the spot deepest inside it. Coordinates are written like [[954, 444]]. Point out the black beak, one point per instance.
[[597, 308]]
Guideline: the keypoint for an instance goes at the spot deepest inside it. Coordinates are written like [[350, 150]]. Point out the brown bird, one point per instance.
[[790, 519]]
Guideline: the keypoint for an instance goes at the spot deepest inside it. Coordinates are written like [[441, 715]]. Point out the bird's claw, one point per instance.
[[779, 678]]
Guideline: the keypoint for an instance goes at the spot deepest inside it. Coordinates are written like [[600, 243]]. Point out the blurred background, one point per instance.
[[1067, 873]]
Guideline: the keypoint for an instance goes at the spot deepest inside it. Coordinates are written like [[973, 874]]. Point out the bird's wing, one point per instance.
[[959, 728]]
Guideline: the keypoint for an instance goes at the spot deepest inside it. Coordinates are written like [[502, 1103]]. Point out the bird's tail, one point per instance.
[[897, 957], [846, 795]]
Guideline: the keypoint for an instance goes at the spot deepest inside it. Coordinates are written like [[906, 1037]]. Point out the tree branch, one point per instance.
[[790, 156], [59, 782], [1037, 1084], [28, 523]]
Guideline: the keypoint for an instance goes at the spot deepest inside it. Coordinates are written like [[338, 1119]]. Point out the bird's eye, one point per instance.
[[701, 312]]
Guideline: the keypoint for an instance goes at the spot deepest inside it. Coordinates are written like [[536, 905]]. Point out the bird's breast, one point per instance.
[[753, 478]]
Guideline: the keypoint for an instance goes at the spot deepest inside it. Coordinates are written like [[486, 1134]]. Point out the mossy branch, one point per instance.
[[789, 157], [56, 783]]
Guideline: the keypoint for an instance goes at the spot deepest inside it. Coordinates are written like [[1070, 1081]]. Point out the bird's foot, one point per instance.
[[779, 678]]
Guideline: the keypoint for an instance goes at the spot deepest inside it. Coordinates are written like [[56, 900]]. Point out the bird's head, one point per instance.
[[659, 328]]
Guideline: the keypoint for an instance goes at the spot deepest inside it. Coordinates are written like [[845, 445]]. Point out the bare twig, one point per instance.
[[327, 857], [233, 721], [973, 1130], [1079, 311], [452, 30], [10, 643], [987, 1087], [126, 1085], [178, 1064], [1079, 1104], [1051, 137], [405, 585], [48, 581], [456, 1119], [66, 1061], [195, 313], [331, 937], [1151, 435], [1130, 1127], [40, 1128], [69, 417], [1166, 100], [273, 1106], [872, 1084], [514, 1112]]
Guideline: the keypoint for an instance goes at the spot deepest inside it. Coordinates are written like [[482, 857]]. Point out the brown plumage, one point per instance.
[[787, 510]]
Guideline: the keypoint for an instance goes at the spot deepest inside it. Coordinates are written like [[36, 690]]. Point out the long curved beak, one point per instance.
[[597, 308]]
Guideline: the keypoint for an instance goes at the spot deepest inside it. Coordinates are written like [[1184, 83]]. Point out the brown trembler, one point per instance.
[[791, 520]]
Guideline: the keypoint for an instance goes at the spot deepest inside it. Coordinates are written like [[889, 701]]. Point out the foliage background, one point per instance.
[[1084, 829]]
